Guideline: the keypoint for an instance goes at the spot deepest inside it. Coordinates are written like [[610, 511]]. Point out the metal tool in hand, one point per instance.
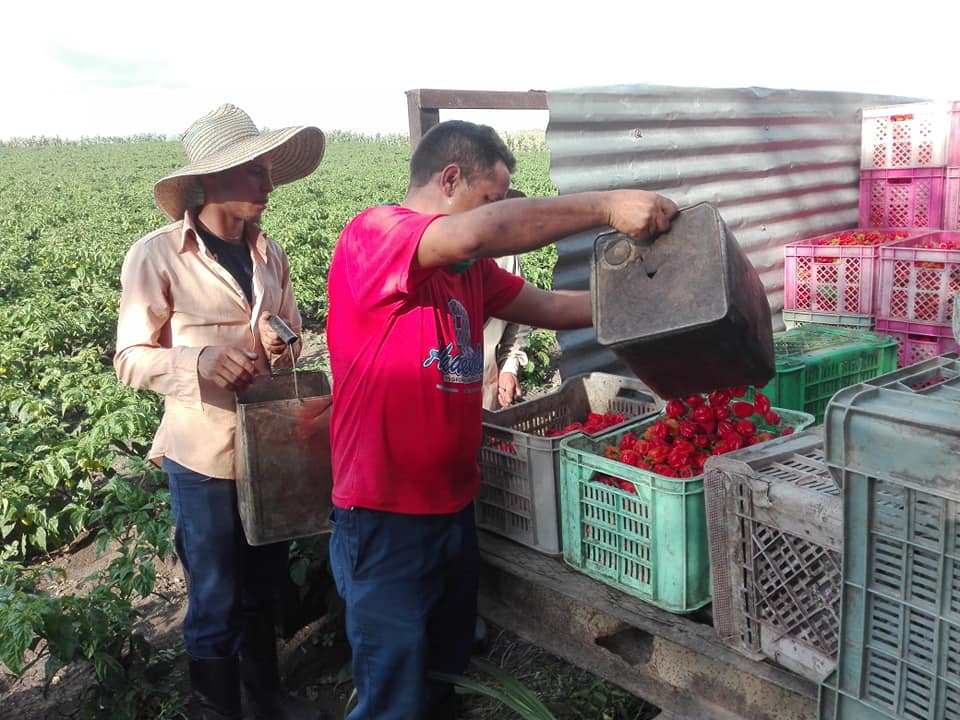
[[288, 336]]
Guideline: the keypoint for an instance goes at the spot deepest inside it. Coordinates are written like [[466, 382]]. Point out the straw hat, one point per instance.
[[226, 138]]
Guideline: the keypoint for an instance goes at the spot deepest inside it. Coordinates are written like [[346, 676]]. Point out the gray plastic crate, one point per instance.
[[903, 425], [799, 318], [519, 464], [900, 616], [775, 525], [893, 444]]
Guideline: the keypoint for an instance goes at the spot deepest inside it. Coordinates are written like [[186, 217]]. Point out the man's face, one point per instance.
[[242, 191], [483, 188]]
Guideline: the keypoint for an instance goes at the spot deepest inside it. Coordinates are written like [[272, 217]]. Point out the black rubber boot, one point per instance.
[[214, 689], [267, 699], [449, 709]]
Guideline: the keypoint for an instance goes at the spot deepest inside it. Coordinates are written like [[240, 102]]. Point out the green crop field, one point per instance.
[[72, 438], [67, 216]]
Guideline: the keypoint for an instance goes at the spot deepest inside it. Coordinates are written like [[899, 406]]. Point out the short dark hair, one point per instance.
[[475, 148]]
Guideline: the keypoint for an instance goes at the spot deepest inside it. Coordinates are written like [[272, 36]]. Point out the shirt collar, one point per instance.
[[190, 239]]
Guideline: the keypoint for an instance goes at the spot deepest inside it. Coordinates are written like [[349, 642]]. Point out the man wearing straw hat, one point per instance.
[[193, 327], [410, 288]]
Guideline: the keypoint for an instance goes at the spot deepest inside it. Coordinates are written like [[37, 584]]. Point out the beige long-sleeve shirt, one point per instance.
[[176, 300], [504, 344]]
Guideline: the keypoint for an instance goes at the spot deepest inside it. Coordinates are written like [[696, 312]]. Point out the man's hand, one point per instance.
[[639, 213], [271, 341], [229, 368], [508, 389]]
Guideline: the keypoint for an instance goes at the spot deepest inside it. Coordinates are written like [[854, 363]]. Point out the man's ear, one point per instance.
[[450, 177]]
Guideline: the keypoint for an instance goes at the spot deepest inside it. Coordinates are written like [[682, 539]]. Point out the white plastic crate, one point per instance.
[[911, 135]]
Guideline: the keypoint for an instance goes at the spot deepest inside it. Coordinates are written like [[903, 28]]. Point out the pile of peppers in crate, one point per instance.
[[678, 443]]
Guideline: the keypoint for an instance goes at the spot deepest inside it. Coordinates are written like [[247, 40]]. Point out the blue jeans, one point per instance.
[[226, 577], [410, 586]]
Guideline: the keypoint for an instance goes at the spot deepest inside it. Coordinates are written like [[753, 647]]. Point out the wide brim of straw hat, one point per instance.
[[295, 151]]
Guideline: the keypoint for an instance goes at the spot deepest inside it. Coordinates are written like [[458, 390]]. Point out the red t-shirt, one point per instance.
[[406, 355]]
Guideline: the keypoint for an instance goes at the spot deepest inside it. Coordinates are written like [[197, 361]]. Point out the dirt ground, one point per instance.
[[313, 662], [314, 659]]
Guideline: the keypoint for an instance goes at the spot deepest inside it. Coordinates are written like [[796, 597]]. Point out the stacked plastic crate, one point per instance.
[[904, 156], [910, 175], [891, 445], [909, 184], [831, 279], [919, 278]]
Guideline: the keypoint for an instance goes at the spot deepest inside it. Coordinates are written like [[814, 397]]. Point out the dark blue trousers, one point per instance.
[[226, 577], [410, 586]]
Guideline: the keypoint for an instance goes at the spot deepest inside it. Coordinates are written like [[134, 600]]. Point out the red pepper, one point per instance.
[[746, 428], [684, 446], [695, 401], [742, 409], [659, 453], [734, 442], [627, 486], [676, 409], [761, 402], [725, 427], [719, 398], [678, 458], [708, 426], [661, 430], [704, 413]]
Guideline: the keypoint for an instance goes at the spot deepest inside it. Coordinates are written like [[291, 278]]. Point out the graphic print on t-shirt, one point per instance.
[[461, 364]]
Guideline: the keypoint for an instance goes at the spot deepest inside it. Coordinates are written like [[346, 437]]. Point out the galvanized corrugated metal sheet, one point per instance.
[[780, 165]]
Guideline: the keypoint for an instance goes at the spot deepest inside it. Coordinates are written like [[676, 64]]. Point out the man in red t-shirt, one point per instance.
[[410, 288]]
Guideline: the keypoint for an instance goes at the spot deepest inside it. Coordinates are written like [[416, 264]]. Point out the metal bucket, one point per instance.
[[283, 471], [686, 312]]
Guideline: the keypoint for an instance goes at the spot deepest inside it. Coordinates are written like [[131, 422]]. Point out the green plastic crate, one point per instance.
[[814, 362], [652, 545]]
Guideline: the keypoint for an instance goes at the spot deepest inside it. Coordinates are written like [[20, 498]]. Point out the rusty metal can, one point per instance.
[[283, 474], [687, 312]]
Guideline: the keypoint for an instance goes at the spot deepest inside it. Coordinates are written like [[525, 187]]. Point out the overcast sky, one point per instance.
[[119, 68]]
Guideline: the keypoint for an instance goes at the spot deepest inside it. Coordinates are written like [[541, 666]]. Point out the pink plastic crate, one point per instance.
[[951, 202], [917, 284], [913, 135], [836, 279], [902, 198], [918, 341]]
